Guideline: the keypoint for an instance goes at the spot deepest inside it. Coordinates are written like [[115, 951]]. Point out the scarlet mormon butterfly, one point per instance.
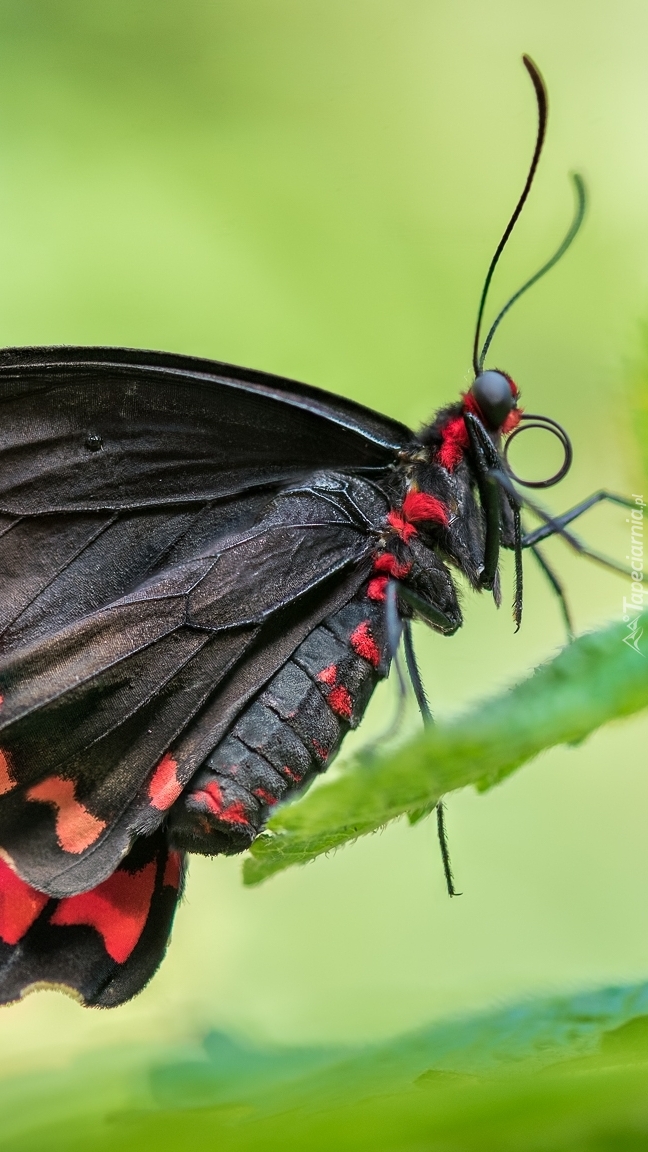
[[205, 572]]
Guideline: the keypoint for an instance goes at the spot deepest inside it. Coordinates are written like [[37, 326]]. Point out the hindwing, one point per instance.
[[105, 720], [102, 946]]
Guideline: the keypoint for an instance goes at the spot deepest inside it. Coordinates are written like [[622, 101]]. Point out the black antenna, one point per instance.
[[541, 97], [581, 204]]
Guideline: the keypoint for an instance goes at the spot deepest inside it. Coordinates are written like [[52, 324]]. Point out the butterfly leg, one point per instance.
[[486, 459], [557, 587], [424, 707], [554, 524]]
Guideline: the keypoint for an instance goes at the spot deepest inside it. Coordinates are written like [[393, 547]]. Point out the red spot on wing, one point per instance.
[[328, 675], [172, 871], [118, 909], [377, 588], [7, 779], [364, 645], [340, 702], [420, 506], [164, 786], [20, 905], [455, 440], [76, 827]]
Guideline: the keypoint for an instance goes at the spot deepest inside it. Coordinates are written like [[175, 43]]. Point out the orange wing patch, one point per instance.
[[76, 827], [7, 781]]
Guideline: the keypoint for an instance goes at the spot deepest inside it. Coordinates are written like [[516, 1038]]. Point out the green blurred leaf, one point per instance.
[[463, 1084], [638, 406], [595, 679]]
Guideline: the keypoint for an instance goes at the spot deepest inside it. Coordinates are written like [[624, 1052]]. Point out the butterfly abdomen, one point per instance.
[[290, 732]]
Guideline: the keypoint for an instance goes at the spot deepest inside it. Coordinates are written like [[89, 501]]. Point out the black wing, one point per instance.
[[115, 465], [97, 429], [102, 946], [105, 719], [126, 479]]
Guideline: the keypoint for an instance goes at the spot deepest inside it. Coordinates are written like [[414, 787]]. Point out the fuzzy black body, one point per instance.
[[194, 563]]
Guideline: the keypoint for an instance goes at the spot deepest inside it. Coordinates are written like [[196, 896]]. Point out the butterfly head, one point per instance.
[[494, 395]]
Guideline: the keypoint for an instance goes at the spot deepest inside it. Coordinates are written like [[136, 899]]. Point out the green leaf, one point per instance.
[[597, 678], [457, 1085], [638, 404]]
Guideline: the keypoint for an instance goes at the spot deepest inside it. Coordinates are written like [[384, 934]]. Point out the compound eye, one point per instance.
[[492, 391]]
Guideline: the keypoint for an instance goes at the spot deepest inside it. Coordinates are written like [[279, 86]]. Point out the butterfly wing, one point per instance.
[[95, 429], [115, 464], [92, 708], [141, 607], [102, 946]]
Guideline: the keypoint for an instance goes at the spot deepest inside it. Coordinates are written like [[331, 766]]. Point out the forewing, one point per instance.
[[95, 429], [102, 946], [116, 464]]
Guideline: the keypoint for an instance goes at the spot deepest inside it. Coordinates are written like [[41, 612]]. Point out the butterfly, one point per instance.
[[205, 572]]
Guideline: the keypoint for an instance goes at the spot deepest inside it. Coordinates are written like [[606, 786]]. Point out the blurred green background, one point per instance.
[[315, 188]]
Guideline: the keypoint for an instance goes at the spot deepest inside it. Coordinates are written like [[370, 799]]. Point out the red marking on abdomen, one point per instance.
[[266, 797], [340, 702], [76, 827], [235, 813], [420, 506], [455, 440], [377, 588], [389, 564], [328, 675], [7, 780], [20, 905], [320, 751], [294, 776], [118, 909], [172, 871], [401, 526], [364, 645], [164, 786], [212, 797]]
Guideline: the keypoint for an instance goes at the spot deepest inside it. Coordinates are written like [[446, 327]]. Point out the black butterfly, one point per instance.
[[205, 571]]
